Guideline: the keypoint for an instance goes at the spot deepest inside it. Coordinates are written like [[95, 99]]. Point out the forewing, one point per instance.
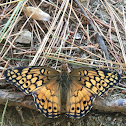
[[79, 101], [96, 81], [48, 100], [29, 79]]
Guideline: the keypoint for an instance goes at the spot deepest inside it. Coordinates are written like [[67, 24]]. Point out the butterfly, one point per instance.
[[62, 92]]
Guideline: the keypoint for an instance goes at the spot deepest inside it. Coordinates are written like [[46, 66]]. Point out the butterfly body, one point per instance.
[[65, 86], [55, 93]]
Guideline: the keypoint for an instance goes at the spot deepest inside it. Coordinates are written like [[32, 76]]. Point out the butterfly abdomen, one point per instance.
[[65, 86]]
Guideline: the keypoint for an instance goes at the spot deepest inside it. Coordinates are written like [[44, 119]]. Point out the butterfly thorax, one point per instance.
[[64, 84]]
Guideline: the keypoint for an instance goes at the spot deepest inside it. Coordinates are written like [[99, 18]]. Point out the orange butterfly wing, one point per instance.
[[85, 84], [41, 83], [96, 81], [47, 99], [29, 79], [79, 101]]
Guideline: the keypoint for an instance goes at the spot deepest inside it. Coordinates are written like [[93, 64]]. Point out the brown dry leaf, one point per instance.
[[36, 13]]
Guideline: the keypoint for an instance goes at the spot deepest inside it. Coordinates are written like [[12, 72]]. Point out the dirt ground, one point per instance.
[[93, 118]]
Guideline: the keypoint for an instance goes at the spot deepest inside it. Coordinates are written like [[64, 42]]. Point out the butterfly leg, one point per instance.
[[19, 110]]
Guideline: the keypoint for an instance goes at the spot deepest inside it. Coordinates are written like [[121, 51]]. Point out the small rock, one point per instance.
[[112, 123], [109, 118], [25, 37]]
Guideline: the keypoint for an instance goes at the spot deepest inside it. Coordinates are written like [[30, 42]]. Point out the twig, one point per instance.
[[98, 37]]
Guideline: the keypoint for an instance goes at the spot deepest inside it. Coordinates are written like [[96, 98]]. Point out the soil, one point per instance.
[[93, 118]]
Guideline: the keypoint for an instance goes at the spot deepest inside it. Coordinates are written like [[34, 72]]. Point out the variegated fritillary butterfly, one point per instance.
[[53, 91]]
